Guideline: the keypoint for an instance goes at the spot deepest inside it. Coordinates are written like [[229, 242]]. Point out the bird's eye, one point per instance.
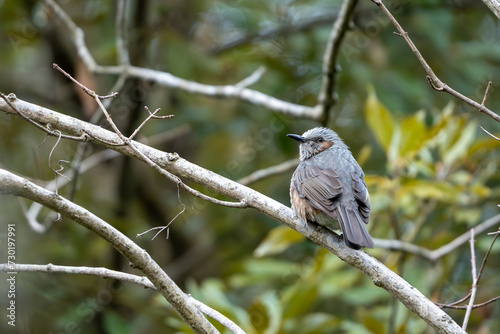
[[320, 140]]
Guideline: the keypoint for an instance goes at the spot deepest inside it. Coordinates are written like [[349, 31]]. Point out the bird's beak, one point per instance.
[[298, 138]]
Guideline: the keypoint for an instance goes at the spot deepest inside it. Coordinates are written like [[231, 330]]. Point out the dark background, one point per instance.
[[431, 171]]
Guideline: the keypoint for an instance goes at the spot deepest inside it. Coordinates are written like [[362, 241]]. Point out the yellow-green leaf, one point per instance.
[[379, 119], [413, 134], [277, 240]]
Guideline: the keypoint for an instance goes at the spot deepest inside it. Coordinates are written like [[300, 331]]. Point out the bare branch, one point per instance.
[[18, 186], [11, 97], [490, 134], [434, 255], [227, 91], [267, 33], [252, 78], [118, 275], [494, 6], [128, 142], [326, 97], [381, 276], [85, 89], [171, 81], [151, 115], [214, 314], [486, 93], [432, 78], [89, 163], [453, 305], [269, 171], [92, 271], [474, 281], [120, 27]]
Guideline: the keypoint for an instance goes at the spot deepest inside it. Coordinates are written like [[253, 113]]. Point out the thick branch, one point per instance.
[[494, 6], [371, 267], [18, 186]]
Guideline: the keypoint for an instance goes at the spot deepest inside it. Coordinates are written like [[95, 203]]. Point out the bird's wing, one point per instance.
[[362, 197], [320, 187]]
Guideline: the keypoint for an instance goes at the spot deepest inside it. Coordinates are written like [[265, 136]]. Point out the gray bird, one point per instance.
[[328, 187]]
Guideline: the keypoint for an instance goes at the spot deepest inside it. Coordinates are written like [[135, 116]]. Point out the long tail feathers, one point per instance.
[[353, 228]]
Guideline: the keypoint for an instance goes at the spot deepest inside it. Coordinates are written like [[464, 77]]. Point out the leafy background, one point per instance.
[[431, 171]]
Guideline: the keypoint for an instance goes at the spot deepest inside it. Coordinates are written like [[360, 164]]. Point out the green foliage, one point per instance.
[[429, 160]]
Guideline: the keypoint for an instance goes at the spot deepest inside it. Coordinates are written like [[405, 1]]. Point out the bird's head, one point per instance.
[[317, 140]]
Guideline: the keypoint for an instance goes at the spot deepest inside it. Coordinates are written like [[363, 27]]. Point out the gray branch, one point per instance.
[[326, 97], [18, 186], [434, 255], [168, 80], [494, 6], [371, 267], [108, 273]]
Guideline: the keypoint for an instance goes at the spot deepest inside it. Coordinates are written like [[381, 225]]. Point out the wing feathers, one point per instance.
[[322, 189]]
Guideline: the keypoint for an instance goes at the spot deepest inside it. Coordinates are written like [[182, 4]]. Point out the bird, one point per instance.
[[328, 187]]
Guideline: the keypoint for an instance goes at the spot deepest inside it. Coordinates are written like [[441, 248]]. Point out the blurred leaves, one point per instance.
[[277, 240]]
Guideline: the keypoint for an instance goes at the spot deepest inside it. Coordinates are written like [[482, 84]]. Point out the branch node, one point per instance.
[[433, 84], [486, 93]]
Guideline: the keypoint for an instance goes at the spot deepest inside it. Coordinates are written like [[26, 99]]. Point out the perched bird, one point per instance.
[[328, 187]]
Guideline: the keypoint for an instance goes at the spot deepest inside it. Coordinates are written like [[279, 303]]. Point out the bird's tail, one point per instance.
[[353, 228]]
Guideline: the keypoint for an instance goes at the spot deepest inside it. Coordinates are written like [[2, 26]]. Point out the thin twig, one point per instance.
[[326, 97], [269, 171], [432, 78], [267, 33], [485, 259], [151, 115], [474, 281], [434, 255], [127, 141], [85, 89], [464, 307], [486, 93], [252, 78], [494, 6], [120, 27], [490, 134], [163, 228], [31, 214]]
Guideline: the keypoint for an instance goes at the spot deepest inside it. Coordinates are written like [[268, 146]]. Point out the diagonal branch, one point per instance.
[[18, 186], [432, 78], [494, 6], [381, 276]]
